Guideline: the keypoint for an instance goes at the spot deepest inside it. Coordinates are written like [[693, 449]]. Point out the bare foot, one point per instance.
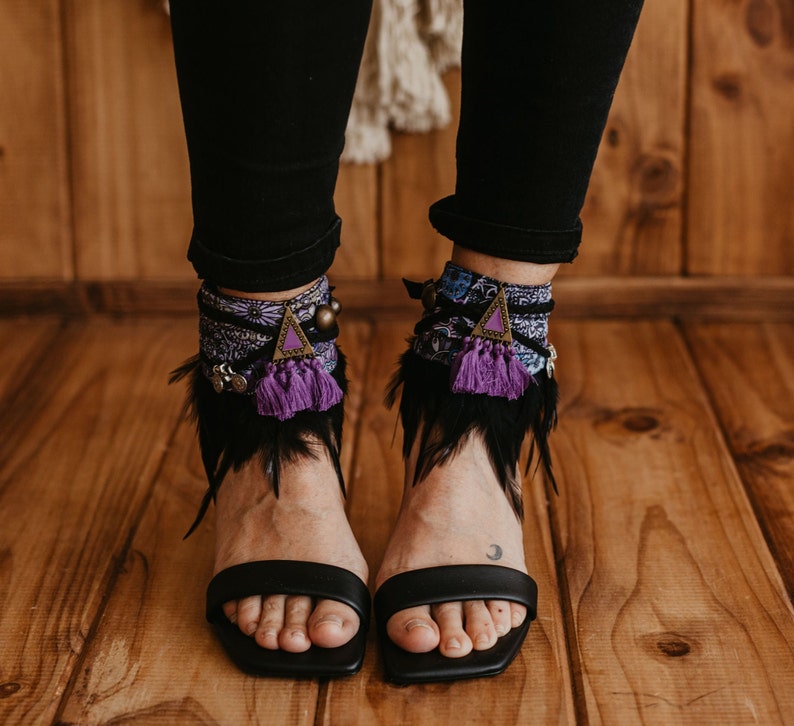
[[457, 515], [307, 522]]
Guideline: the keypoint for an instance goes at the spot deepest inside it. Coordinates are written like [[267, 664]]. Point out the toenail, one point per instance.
[[298, 635], [482, 640], [500, 630], [453, 644], [269, 634], [250, 628], [331, 620], [411, 624]]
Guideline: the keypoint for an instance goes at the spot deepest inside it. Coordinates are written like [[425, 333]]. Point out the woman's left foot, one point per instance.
[[458, 514]]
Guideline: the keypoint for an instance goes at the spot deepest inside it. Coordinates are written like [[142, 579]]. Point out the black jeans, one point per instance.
[[266, 89]]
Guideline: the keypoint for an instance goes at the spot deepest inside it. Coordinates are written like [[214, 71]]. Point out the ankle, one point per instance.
[[278, 296], [509, 271]]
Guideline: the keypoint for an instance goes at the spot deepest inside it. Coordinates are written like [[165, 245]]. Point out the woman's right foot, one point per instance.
[[306, 522]]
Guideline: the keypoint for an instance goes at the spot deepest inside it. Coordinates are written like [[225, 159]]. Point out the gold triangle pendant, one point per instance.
[[494, 324], [292, 341]]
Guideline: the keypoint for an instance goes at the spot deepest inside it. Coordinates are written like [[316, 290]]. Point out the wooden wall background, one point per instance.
[[694, 177]]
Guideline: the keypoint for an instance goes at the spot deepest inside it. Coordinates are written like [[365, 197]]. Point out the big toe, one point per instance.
[[332, 624], [414, 630]]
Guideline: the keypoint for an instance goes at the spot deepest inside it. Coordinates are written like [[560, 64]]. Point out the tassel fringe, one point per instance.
[[489, 368], [232, 432], [443, 420], [289, 387]]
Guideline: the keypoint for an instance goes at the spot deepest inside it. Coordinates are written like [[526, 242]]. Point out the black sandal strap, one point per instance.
[[451, 583], [287, 577]]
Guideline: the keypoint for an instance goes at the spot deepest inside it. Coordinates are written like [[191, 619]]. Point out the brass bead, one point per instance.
[[336, 305], [325, 317], [429, 296]]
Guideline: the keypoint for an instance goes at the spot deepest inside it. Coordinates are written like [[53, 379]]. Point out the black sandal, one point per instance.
[[269, 380], [289, 578], [450, 584], [479, 362]]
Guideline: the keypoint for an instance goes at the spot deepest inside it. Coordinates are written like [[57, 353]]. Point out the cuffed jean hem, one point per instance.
[[499, 240], [269, 275]]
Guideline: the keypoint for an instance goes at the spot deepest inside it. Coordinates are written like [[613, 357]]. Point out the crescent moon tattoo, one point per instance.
[[496, 554]]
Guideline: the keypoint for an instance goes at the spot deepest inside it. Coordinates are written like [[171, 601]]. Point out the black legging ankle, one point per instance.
[[266, 89]]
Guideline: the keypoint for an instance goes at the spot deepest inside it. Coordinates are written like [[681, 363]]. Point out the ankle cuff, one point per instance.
[[279, 353], [493, 335]]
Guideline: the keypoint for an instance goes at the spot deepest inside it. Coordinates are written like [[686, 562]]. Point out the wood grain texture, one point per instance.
[[741, 218], [35, 233], [678, 610], [356, 200], [633, 210], [748, 371], [129, 158], [536, 687], [420, 170], [22, 346], [67, 504]]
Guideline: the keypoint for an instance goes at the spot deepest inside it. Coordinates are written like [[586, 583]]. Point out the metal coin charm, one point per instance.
[[550, 362], [239, 383]]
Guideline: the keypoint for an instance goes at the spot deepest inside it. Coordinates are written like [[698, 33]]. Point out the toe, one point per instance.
[[413, 630], [501, 616], [294, 636], [271, 622], [518, 614], [332, 624], [479, 625], [453, 640], [230, 611], [249, 611]]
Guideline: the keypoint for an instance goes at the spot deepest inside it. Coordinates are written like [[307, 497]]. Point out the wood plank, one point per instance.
[[420, 170], [536, 687], [163, 664], [35, 234], [678, 610], [80, 448], [748, 371], [356, 200], [695, 298], [741, 139], [633, 210], [23, 344], [129, 157]]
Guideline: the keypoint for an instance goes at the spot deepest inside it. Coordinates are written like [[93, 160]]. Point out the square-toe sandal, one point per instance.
[[479, 363], [452, 583], [268, 379], [289, 578]]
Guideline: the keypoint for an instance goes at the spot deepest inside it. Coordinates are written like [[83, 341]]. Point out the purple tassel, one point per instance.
[[325, 389], [482, 367], [288, 387]]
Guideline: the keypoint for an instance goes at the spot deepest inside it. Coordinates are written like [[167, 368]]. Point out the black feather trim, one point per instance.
[[443, 420], [231, 431]]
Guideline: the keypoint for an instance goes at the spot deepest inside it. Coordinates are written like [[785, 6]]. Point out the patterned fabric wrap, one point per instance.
[[444, 341], [241, 334]]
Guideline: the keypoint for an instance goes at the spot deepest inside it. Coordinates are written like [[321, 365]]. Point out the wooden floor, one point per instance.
[[665, 567]]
